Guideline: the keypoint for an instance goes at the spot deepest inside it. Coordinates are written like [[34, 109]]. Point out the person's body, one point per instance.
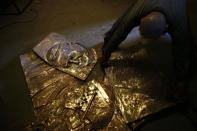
[[155, 17]]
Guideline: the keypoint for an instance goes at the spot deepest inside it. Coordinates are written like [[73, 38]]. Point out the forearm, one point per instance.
[[118, 22], [115, 40], [123, 26]]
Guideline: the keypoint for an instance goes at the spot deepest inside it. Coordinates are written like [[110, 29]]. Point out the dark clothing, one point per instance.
[[176, 15]]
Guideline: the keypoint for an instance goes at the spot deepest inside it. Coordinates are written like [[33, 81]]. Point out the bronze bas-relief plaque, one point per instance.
[[72, 58], [127, 91]]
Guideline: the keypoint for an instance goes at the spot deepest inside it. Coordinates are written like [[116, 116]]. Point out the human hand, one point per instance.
[[105, 57]]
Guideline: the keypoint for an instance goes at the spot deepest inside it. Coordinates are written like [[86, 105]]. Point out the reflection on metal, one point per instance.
[[72, 58], [117, 123], [139, 89], [64, 102], [130, 90]]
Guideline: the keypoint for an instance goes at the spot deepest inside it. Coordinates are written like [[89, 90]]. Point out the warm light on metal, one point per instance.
[[128, 91]]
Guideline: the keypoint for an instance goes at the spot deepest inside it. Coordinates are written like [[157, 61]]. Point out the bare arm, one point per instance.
[[121, 29], [123, 26]]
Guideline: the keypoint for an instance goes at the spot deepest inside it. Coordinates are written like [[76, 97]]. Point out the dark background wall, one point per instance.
[[192, 9]]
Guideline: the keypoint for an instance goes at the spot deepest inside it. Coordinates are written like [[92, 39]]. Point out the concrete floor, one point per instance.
[[83, 21]]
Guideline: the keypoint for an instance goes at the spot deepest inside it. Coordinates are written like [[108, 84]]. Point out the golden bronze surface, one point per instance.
[[72, 58], [139, 89], [127, 91], [64, 102]]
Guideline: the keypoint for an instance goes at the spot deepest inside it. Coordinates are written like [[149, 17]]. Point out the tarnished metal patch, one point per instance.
[[72, 58], [140, 90], [130, 89], [62, 102]]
